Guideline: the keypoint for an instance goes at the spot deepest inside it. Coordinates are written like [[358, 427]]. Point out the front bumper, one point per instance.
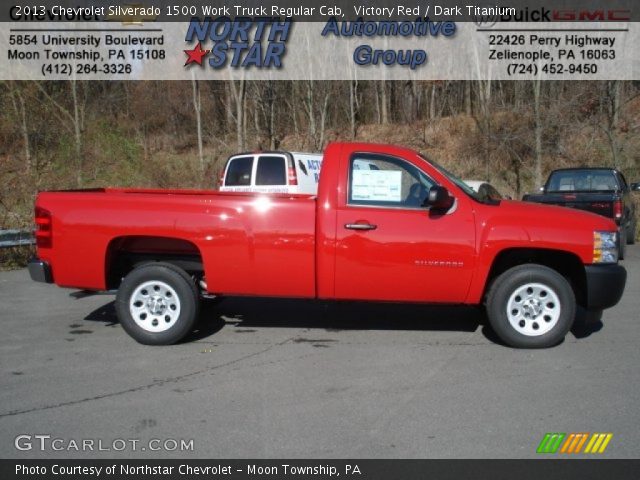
[[40, 271], [605, 285]]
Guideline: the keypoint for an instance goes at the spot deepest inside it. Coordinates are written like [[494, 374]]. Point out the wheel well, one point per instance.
[[566, 264], [128, 252]]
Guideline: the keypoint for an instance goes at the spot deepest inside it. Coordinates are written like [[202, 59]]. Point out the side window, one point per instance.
[[239, 172], [376, 180], [271, 171]]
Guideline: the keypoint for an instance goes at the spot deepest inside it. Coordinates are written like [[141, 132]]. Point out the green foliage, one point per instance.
[[116, 157]]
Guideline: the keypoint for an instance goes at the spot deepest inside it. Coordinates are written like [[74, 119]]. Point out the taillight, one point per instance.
[[617, 209], [43, 228], [293, 176]]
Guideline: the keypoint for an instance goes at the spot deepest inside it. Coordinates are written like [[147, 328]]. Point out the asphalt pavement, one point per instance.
[[266, 378]]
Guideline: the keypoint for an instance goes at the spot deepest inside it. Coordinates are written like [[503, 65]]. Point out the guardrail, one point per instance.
[[16, 238]]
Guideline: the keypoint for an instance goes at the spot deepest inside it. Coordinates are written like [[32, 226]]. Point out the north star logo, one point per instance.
[[195, 55], [240, 43]]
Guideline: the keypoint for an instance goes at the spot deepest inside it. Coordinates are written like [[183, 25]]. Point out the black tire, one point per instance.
[[177, 285], [622, 234], [631, 233], [504, 291]]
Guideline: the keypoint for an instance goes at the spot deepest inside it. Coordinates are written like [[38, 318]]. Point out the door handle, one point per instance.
[[360, 226]]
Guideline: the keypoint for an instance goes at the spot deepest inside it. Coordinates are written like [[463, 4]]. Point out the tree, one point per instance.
[[611, 98], [75, 115], [538, 131], [197, 107], [353, 107], [239, 91], [483, 121], [17, 100]]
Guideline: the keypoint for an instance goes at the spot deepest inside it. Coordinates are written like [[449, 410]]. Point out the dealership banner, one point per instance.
[[312, 41]]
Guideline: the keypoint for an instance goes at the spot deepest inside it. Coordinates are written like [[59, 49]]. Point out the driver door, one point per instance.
[[390, 247]]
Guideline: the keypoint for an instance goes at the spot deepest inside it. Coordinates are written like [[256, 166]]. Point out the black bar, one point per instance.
[[544, 468]]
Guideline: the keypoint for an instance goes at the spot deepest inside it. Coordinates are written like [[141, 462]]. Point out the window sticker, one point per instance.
[[377, 185]]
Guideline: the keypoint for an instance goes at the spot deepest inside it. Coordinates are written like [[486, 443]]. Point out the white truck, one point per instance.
[[272, 172], [276, 172]]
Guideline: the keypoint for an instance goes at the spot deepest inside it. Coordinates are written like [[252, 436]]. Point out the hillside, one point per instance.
[[145, 133]]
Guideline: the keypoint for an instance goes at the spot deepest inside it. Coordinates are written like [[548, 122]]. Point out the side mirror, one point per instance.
[[438, 198], [635, 187]]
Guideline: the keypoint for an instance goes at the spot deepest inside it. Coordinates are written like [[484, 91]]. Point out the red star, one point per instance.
[[195, 55]]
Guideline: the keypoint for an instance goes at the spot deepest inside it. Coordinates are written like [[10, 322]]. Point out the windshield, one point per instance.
[[463, 186], [581, 181]]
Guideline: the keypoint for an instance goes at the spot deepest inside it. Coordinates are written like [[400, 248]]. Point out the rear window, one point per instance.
[[271, 171], [239, 172], [582, 181]]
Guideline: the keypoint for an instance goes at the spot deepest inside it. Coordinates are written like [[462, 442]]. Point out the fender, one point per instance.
[[493, 240]]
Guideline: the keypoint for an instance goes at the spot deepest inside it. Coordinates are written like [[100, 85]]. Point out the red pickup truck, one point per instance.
[[402, 230]]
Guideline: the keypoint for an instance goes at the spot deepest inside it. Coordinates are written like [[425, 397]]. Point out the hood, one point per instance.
[[516, 224], [566, 217]]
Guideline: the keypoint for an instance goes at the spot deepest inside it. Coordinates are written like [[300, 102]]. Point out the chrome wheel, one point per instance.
[[154, 306], [533, 309]]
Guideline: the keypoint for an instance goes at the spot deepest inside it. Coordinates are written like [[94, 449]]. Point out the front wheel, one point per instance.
[[531, 306], [157, 304]]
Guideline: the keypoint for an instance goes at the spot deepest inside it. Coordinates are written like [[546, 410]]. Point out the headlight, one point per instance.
[[605, 247]]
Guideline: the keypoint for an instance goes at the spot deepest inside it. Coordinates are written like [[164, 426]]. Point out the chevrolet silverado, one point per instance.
[[404, 231]]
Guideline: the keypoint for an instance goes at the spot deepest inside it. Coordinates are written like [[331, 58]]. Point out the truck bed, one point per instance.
[[596, 202], [249, 239]]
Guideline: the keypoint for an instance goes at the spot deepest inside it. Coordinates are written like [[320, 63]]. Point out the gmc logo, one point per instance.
[[592, 15]]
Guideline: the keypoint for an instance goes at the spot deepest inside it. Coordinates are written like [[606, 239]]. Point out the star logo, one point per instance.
[[196, 55]]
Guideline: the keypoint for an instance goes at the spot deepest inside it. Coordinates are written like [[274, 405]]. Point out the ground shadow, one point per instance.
[[336, 316], [209, 322], [245, 313], [490, 335], [105, 314], [587, 323]]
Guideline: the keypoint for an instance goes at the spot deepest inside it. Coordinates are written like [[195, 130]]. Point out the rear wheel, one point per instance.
[[531, 306], [157, 304], [622, 237]]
